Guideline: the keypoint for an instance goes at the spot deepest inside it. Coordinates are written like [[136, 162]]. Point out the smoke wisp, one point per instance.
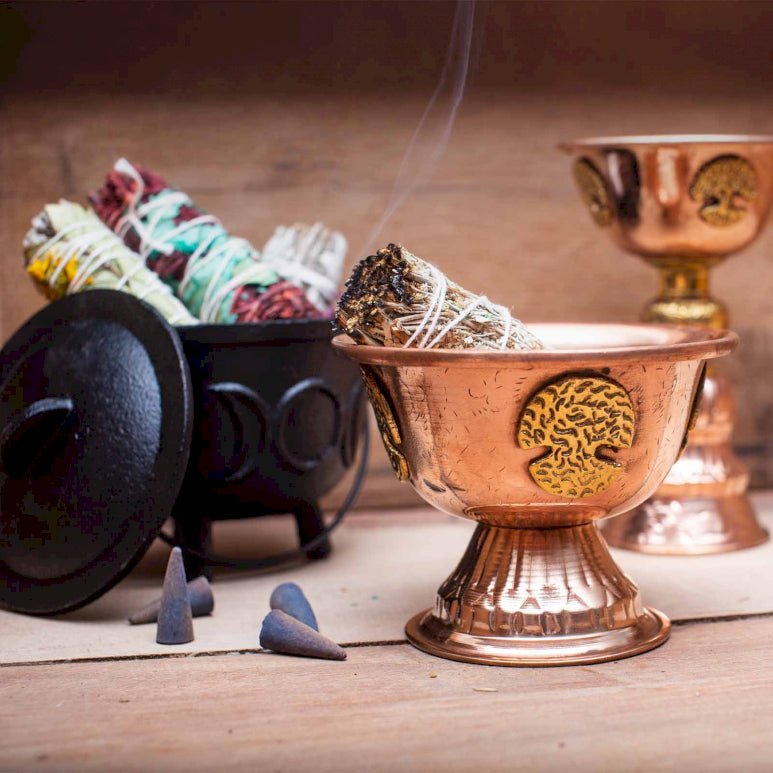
[[430, 138]]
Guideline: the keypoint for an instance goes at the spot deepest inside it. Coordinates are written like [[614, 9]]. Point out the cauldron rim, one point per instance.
[[272, 333]]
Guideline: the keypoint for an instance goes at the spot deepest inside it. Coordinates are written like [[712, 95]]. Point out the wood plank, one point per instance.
[[234, 48], [262, 135], [511, 202], [701, 702], [499, 213], [386, 566]]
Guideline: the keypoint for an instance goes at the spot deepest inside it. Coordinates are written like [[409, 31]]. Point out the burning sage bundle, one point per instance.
[[216, 275], [394, 298], [69, 249]]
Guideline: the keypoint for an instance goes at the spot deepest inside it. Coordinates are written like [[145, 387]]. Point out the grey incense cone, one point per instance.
[[199, 594], [285, 634], [290, 599], [175, 623]]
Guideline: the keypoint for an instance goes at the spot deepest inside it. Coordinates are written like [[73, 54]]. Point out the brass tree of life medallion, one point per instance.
[[593, 191], [721, 184], [576, 417], [387, 424]]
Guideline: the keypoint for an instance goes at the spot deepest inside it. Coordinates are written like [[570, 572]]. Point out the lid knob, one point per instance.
[[29, 433]]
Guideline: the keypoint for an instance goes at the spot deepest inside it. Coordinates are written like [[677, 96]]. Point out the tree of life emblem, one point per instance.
[[576, 418], [722, 186]]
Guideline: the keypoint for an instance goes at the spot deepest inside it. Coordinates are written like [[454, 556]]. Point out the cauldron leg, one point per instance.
[[193, 531], [310, 524]]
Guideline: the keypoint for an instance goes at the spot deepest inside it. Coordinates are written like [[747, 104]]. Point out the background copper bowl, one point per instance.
[[677, 195]]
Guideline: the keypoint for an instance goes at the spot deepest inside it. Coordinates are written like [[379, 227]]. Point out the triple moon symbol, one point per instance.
[[576, 418], [387, 424], [283, 428], [720, 185]]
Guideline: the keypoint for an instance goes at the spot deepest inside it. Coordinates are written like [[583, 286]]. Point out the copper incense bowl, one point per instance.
[[684, 203], [536, 447]]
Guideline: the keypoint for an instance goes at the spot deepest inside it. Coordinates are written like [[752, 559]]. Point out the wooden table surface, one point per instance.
[[701, 702]]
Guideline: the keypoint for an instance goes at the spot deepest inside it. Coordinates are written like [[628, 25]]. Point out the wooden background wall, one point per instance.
[[270, 113]]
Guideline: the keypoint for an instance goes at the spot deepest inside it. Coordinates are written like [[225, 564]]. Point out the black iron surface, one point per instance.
[[95, 425], [278, 416], [111, 420]]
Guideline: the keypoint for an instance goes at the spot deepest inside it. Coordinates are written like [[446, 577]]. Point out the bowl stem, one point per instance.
[[529, 596]]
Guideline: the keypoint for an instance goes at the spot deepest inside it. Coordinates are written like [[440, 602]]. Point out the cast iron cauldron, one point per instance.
[[277, 418], [111, 421]]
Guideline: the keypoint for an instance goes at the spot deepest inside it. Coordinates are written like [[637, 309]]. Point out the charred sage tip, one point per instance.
[[394, 298]]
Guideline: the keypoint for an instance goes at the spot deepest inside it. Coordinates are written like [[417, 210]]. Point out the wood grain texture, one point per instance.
[[312, 119], [722, 46], [386, 566], [702, 702]]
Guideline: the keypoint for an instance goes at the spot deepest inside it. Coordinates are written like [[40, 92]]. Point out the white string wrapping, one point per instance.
[[394, 298], [285, 259], [145, 219], [435, 309], [94, 246], [309, 256]]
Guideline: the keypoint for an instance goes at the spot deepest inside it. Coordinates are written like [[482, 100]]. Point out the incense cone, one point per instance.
[[284, 634], [289, 598], [175, 623], [199, 594]]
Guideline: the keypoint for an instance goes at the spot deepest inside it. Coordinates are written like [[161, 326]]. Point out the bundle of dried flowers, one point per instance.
[[69, 249]]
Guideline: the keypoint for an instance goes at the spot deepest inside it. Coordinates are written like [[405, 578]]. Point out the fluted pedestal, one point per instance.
[[537, 597], [702, 506]]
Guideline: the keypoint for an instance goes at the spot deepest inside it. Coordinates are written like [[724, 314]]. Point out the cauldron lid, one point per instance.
[[95, 433]]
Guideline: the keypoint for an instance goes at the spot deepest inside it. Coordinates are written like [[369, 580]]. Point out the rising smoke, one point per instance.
[[430, 138]]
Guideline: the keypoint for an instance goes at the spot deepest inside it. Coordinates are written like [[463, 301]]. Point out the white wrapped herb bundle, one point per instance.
[[69, 249], [311, 256], [394, 298]]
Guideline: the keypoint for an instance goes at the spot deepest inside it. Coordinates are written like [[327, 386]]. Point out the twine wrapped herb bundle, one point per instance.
[[69, 249], [311, 257], [216, 275], [394, 298]]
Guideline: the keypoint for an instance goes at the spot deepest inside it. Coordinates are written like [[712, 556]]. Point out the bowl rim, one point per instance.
[[650, 140], [696, 343]]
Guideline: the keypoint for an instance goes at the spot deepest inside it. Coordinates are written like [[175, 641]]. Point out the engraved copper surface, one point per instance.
[[701, 507], [537, 585], [690, 201], [695, 407], [664, 183], [577, 418]]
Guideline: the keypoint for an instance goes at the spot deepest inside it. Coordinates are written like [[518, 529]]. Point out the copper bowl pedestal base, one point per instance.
[[537, 597], [683, 204], [685, 526], [702, 506]]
